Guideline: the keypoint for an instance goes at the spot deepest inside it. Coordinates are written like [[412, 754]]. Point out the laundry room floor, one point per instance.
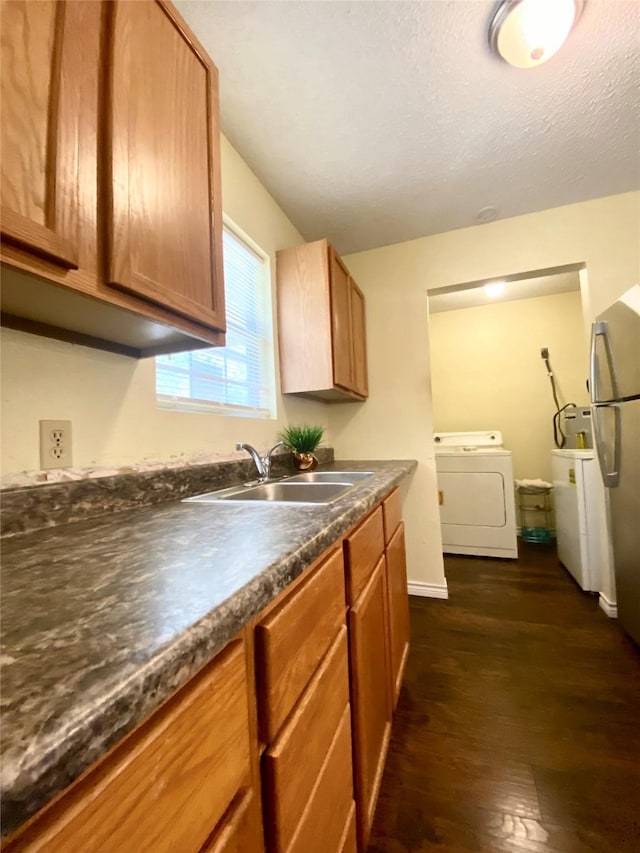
[[518, 725]]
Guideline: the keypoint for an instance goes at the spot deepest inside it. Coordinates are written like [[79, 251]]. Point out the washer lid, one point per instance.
[[572, 453], [468, 440]]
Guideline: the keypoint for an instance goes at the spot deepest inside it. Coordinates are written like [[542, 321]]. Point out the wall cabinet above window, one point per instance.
[[110, 177], [321, 325]]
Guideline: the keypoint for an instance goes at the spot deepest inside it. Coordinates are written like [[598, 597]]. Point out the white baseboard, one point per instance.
[[428, 590], [609, 607]]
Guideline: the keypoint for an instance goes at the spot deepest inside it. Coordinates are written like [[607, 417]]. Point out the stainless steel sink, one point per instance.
[[330, 477], [286, 492]]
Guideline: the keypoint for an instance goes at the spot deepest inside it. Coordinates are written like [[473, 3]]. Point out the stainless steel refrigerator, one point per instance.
[[615, 395]]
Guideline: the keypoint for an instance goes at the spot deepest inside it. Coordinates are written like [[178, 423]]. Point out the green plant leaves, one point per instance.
[[303, 439]]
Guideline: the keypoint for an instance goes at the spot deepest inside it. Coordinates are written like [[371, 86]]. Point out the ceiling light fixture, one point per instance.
[[494, 289], [526, 33]]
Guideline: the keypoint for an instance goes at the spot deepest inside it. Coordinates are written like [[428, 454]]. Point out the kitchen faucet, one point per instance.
[[263, 463]]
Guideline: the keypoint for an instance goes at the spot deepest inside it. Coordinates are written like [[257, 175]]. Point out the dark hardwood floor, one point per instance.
[[518, 726]]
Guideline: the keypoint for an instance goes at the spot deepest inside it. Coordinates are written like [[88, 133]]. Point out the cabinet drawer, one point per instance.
[[363, 550], [288, 781], [291, 642], [322, 825], [349, 843], [166, 787], [241, 831], [392, 513]]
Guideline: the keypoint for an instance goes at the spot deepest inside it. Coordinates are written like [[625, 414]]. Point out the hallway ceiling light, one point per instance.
[[526, 33], [494, 289]]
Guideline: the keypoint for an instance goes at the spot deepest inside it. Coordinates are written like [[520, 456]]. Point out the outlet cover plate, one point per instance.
[[55, 444]]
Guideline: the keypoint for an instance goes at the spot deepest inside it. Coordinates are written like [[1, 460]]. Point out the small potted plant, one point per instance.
[[303, 440]]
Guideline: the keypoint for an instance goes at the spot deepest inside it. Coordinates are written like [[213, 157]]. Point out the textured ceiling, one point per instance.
[[377, 122], [528, 288]]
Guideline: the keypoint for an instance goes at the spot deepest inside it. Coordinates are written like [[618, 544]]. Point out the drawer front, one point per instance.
[[363, 550], [327, 812], [166, 787], [291, 642], [392, 513], [288, 781], [241, 829], [349, 843]]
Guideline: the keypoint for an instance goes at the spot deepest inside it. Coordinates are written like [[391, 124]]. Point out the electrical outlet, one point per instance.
[[55, 444]]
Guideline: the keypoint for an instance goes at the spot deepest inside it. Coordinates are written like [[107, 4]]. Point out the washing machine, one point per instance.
[[581, 517], [476, 493]]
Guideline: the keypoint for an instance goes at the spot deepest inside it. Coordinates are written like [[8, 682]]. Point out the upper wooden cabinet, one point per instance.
[[40, 129], [321, 323], [163, 195], [110, 180]]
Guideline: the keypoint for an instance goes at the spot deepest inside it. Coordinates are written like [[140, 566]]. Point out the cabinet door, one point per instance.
[[39, 129], [398, 609], [371, 705], [359, 339], [162, 149], [341, 324]]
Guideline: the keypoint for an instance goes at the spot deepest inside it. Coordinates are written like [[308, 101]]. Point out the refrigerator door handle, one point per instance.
[[599, 329], [610, 478]]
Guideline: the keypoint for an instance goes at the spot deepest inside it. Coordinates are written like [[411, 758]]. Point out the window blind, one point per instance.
[[238, 378]]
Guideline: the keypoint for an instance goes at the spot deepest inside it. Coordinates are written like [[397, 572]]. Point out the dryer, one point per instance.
[[476, 494]]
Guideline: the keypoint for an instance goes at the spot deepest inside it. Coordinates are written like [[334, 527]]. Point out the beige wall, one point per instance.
[[110, 399], [397, 420], [487, 373]]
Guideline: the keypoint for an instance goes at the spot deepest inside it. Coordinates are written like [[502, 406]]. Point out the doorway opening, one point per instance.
[[491, 384]]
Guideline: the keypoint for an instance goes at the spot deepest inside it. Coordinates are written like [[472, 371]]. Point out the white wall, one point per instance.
[[487, 372], [110, 399], [397, 420]]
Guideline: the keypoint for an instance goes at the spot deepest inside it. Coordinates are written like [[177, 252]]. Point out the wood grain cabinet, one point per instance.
[[184, 779], [40, 131], [375, 567], [302, 671], [280, 740], [370, 668], [398, 599], [321, 325], [110, 177]]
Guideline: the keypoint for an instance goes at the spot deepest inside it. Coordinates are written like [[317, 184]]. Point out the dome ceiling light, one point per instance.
[[526, 33]]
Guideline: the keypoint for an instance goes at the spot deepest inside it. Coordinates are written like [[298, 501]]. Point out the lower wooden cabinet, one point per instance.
[[349, 842], [302, 667], [241, 829], [280, 741], [292, 639], [398, 607], [323, 823], [369, 695], [290, 783], [169, 784]]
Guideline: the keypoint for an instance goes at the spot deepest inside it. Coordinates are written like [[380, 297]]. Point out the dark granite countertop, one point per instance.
[[103, 619]]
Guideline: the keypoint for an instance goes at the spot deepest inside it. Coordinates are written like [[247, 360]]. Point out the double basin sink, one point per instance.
[[312, 487]]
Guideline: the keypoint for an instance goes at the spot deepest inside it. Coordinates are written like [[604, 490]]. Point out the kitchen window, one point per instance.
[[239, 378]]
